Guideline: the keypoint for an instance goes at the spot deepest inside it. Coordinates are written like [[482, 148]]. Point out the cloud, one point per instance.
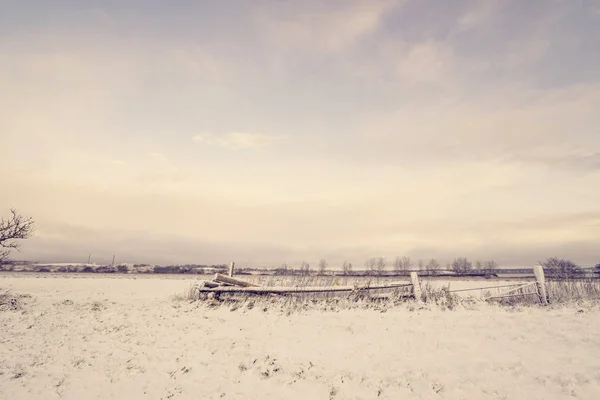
[[427, 62], [509, 124], [477, 16], [410, 124], [577, 160], [322, 27], [237, 140], [159, 157]]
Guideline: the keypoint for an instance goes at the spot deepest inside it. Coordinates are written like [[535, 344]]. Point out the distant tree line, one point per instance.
[[460, 266]]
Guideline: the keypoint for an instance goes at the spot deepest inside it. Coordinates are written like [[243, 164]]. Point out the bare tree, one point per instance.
[[432, 267], [560, 268], [461, 266], [380, 265], [322, 266], [15, 228], [283, 269], [489, 267], [370, 264], [347, 268], [398, 265], [402, 265], [478, 266], [420, 265], [406, 263], [305, 268]]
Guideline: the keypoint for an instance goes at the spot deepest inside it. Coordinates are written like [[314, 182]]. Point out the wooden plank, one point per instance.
[[206, 284], [231, 266], [517, 288], [416, 286], [510, 295], [308, 289], [209, 284], [538, 271], [486, 287], [233, 281]]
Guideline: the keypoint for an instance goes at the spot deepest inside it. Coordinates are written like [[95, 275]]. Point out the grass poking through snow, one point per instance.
[[559, 292]]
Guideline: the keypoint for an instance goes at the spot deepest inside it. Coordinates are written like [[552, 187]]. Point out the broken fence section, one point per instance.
[[518, 289], [228, 284]]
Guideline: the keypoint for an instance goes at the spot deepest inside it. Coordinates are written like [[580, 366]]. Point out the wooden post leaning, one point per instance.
[[233, 281], [231, 266]]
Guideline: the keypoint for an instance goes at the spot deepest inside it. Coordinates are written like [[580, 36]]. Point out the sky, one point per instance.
[[271, 132]]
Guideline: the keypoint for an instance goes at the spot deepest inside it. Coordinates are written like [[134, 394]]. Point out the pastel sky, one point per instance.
[[280, 131]]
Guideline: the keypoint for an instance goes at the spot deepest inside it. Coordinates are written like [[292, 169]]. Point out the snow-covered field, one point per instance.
[[98, 337]]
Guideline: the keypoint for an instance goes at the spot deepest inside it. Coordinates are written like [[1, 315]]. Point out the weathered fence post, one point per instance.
[[538, 271], [231, 269], [414, 280]]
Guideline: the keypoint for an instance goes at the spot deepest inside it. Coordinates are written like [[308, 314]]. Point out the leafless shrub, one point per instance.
[[432, 267], [461, 266], [559, 268]]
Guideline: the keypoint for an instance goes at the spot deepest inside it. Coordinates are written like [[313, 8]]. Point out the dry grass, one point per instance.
[[573, 290], [558, 291], [377, 299], [442, 297], [8, 302]]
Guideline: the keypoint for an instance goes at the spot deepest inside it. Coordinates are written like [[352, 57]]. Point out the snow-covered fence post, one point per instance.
[[416, 286], [538, 271]]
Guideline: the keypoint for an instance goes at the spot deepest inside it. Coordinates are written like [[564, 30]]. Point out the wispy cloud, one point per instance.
[[158, 157], [577, 161], [237, 140], [330, 29], [427, 62]]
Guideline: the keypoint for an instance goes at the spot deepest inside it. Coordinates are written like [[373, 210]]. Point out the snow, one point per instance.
[[126, 338]]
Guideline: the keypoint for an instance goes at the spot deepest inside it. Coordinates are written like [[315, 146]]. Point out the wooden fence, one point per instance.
[[228, 284]]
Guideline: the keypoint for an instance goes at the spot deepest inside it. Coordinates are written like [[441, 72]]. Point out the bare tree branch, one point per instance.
[[17, 227]]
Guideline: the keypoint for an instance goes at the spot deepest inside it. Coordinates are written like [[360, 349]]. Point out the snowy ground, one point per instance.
[[94, 337]]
